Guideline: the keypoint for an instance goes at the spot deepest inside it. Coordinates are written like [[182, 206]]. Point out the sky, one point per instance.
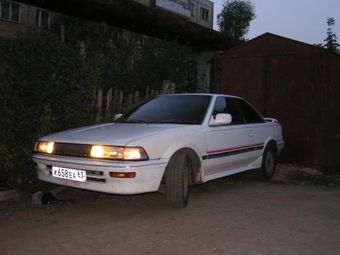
[[301, 20]]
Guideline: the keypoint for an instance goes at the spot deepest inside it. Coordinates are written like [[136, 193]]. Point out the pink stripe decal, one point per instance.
[[235, 149]]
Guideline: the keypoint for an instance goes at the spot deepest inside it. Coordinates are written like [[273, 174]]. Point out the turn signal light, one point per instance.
[[122, 175]]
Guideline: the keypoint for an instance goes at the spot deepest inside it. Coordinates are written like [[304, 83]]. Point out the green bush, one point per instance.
[[43, 89]]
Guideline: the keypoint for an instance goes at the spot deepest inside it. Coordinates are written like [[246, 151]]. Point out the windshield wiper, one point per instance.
[[177, 121], [137, 121]]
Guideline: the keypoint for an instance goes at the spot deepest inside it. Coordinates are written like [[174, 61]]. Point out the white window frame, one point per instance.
[[10, 7], [39, 18]]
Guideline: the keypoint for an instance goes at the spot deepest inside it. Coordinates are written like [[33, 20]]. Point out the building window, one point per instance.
[[192, 7], [183, 3], [204, 14], [43, 19], [10, 11]]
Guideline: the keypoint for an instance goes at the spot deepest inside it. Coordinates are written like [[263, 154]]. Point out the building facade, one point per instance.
[[197, 11], [16, 16], [202, 13]]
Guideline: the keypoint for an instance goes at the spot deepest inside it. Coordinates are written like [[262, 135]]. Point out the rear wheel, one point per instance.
[[177, 181], [267, 169]]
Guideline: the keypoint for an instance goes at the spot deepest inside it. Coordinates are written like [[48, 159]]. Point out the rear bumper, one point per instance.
[[148, 174]]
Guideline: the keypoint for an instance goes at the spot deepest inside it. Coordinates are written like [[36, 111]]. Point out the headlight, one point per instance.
[[113, 152], [44, 147]]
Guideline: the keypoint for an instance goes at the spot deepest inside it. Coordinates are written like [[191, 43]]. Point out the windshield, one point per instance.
[[180, 109]]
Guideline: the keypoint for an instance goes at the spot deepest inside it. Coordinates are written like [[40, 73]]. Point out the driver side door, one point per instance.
[[231, 146]]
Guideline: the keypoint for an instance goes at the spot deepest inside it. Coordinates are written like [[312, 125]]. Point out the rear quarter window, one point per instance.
[[250, 114]]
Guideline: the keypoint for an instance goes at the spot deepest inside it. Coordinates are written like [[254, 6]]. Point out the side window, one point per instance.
[[220, 106], [250, 114], [228, 105]]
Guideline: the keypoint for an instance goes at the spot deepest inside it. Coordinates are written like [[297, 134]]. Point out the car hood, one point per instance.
[[110, 134]]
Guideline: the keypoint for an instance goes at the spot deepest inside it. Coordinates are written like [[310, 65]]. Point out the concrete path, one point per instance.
[[228, 216]]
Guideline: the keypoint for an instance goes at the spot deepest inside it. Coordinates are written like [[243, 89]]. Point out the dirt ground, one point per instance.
[[298, 212]]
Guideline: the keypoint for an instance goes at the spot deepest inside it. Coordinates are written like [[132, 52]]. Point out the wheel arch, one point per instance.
[[195, 164], [269, 161], [272, 144]]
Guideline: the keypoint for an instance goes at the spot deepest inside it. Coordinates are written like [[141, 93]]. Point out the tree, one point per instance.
[[235, 17], [331, 40], [120, 59]]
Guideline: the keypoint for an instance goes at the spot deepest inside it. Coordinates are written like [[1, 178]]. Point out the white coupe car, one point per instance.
[[171, 141]]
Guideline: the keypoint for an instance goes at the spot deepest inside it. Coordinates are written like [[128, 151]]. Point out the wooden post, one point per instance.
[[62, 33], [165, 87], [130, 98], [136, 97], [99, 105], [120, 101], [172, 88], [115, 101], [147, 93], [109, 104]]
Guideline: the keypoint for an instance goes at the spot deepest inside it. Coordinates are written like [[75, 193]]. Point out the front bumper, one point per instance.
[[148, 174]]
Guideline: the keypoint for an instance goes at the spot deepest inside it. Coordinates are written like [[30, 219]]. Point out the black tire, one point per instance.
[[177, 181], [267, 169]]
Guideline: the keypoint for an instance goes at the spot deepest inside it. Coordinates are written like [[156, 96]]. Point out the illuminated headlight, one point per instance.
[[44, 147], [113, 152]]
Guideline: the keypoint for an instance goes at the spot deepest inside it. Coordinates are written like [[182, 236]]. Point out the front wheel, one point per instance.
[[267, 169], [177, 181]]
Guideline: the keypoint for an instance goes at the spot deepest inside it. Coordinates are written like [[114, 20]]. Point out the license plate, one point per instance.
[[69, 174]]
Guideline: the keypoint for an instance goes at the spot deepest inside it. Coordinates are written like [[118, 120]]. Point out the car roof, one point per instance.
[[199, 94]]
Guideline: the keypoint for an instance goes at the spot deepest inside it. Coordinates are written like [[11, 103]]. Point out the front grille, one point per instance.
[[96, 176], [78, 150], [72, 150]]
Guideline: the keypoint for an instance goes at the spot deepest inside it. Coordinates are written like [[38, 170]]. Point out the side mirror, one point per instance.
[[220, 119], [117, 116]]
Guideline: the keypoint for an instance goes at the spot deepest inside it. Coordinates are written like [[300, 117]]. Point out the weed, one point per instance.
[[301, 177]]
